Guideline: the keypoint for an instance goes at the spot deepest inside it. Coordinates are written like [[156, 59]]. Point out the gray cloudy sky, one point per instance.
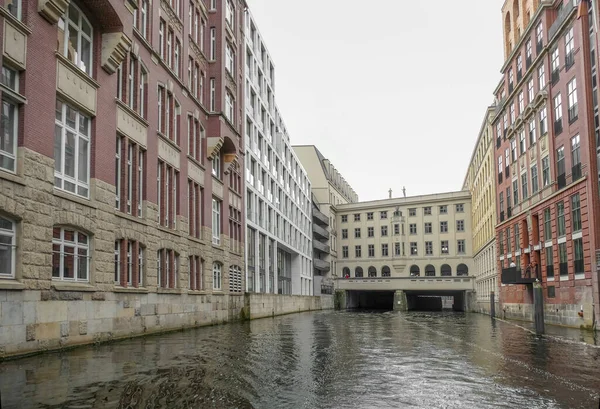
[[393, 92]]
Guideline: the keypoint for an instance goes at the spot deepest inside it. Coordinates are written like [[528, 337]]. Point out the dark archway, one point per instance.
[[446, 270], [429, 271], [385, 272], [346, 272], [358, 272], [415, 271], [462, 270], [372, 272]]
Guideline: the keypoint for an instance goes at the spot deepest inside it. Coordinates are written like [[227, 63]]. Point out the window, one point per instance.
[[383, 215], [517, 237], [444, 247], [575, 157], [370, 232], [213, 96], [213, 4], [543, 121], [530, 91], [519, 66], [216, 276], [129, 263], [524, 190], [412, 212], [396, 249], [344, 218], [357, 252], [501, 242], [177, 60], [161, 39], [194, 209], [213, 43], [344, 233], [528, 52], [195, 136], [569, 49], [513, 149], [168, 114], [229, 13], [370, 216], [508, 242], [460, 225], [384, 231], [75, 38], [229, 59], [357, 233], [500, 168], [549, 262], [371, 249], [578, 250], [545, 171], [460, 207], [427, 211], [70, 260], [461, 247], [532, 134], [229, 107], [413, 248], [140, 18], [412, 228], [8, 246], [501, 205], [572, 99], [216, 221], [14, 8], [557, 113], [534, 179], [9, 129], [547, 225], [443, 227], [539, 37], [560, 161], [216, 165], [344, 251], [513, 115], [560, 213], [521, 102], [396, 229], [129, 176], [428, 248], [444, 209], [428, 228], [555, 65], [515, 192], [168, 182], [356, 217], [541, 76], [575, 213], [71, 150], [562, 259], [384, 250], [170, 36], [522, 143]]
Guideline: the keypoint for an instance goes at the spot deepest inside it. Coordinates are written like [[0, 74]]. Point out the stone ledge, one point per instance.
[[169, 291], [74, 287], [133, 290], [11, 285], [73, 198], [12, 177], [193, 292]]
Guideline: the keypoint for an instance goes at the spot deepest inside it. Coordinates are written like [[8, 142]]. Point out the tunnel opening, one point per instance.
[[435, 301], [371, 300]]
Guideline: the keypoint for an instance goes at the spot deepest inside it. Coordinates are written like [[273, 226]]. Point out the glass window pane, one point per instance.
[[70, 154], [83, 161], [57, 148]]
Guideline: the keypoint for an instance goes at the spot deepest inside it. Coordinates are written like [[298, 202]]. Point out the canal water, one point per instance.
[[319, 360]]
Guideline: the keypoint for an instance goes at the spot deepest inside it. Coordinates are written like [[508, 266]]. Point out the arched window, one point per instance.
[[415, 271], [346, 272], [216, 276], [358, 272], [372, 272], [70, 250], [462, 270], [235, 279], [507, 32], [385, 272], [167, 261], [446, 270], [429, 271], [75, 38], [8, 237]]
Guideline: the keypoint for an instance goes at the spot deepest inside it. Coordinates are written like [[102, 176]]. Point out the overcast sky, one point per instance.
[[393, 92]]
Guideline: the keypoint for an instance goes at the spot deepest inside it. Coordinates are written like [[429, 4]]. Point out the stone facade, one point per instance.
[[270, 305]]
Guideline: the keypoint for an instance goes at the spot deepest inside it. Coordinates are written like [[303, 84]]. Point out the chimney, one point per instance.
[[390, 192]]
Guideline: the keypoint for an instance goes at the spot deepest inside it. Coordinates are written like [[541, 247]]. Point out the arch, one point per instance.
[[415, 271], [446, 270], [429, 270], [507, 31], [462, 270], [358, 272], [372, 271], [385, 271], [346, 272]]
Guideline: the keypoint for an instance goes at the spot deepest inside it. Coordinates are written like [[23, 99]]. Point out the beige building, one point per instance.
[[480, 181], [329, 189], [401, 237]]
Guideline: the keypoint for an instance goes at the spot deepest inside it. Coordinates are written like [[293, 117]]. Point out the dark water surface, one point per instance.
[[318, 360]]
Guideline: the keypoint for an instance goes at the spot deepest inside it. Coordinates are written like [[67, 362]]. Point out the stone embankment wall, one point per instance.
[[569, 315], [33, 321]]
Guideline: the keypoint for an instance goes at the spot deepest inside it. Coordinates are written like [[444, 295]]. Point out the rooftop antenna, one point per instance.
[[390, 192], [404, 191]]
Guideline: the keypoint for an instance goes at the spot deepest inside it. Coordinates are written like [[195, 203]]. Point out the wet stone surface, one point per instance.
[[320, 360]]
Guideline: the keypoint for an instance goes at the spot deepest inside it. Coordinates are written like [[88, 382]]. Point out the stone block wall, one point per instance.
[[556, 314], [270, 305]]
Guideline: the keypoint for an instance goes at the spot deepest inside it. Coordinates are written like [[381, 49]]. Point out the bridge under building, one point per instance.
[[406, 293]]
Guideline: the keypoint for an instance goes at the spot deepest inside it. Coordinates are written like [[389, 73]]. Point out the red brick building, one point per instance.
[[546, 170], [121, 152]]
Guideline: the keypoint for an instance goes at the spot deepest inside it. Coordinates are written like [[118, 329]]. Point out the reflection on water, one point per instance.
[[317, 360]]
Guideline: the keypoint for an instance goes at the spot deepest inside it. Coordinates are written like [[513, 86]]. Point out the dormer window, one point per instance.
[[75, 38]]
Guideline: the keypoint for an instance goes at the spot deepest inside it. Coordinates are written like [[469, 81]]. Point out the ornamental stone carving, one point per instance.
[[214, 145], [52, 10], [115, 47]]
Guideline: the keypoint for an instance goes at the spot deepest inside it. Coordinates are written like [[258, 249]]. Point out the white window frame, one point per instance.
[[229, 106], [543, 121], [557, 107], [8, 146], [572, 93], [216, 221], [217, 278], [161, 38], [17, 10], [8, 241], [530, 91], [66, 24], [542, 76], [213, 98], [213, 43], [118, 155], [144, 18], [140, 182], [77, 246], [60, 178]]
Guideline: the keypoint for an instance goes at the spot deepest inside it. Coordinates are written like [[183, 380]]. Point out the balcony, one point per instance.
[[573, 113], [576, 172], [513, 275], [562, 16], [319, 217], [569, 60], [561, 180], [320, 232], [321, 265], [322, 247]]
